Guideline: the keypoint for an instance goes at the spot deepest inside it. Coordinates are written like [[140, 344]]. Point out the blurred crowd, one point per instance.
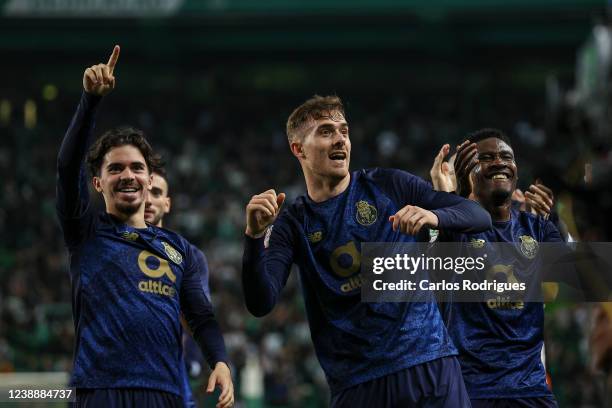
[[221, 153]]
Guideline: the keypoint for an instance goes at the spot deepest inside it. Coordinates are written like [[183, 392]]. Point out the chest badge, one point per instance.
[[315, 237], [172, 253], [366, 213], [529, 246]]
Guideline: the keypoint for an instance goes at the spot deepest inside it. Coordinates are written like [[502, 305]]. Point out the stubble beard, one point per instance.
[[156, 219], [499, 197], [128, 208]]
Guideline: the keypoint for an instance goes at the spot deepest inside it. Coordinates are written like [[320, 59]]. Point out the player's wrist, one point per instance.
[[90, 99], [434, 221], [222, 365], [91, 95], [254, 234]]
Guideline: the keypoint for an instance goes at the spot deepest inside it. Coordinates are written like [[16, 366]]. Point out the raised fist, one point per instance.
[[262, 211]]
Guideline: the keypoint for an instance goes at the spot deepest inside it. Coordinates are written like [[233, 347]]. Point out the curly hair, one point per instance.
[[118, 137], [487, 133]]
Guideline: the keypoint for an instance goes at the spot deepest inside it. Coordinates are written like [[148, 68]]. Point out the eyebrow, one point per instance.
[[332, 125], [504, 150], [119, 164]]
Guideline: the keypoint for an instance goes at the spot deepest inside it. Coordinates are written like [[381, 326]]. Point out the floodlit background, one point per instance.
[[212, 83]]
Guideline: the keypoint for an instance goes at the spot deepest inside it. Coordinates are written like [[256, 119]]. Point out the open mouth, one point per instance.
[[128, 192], [338, 155], [500, 175]]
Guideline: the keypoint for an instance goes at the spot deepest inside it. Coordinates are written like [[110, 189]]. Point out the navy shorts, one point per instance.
[[434, 384], [538, 402], [126, 398]]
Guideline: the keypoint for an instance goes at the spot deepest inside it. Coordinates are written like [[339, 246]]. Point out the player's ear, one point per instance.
[[297, 149], [167, 205], [97, 184]]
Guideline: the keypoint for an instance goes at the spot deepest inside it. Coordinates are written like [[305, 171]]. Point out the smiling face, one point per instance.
[[324, 150], [157, 203], [496, 176], [123, 181]]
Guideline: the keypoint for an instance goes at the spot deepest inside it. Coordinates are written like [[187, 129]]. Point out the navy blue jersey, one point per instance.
[[355, 342], [191, 352], [128, 285], [500, 343], [204, 273]]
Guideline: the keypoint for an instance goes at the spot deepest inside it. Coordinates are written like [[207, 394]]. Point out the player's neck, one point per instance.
[[499, 212], [321, 189], [135, 220]]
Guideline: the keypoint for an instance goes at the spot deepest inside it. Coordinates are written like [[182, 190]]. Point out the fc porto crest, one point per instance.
[[172, 253], [366, 213], [315, 237], [529, 246]]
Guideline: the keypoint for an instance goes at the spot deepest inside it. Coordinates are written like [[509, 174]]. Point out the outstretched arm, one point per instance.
[[72, 180]]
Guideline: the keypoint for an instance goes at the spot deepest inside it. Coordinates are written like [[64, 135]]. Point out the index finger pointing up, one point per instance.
[[112, 61]]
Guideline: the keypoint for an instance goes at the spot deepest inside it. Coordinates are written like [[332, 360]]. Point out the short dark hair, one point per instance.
[[487, 133], [118, 137], [159, 168], [315, 108]]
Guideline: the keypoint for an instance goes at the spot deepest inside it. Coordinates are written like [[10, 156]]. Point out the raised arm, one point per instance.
[[266, 261], [72, 179]]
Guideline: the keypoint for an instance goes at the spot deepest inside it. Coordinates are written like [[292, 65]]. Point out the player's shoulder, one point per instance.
[[385, 173], [291, 214], [400, 186], [197, 252], [291, 219], [103, 223], [542, 227], [195, 248], [528, 219], [172, 240], [166, 233]]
